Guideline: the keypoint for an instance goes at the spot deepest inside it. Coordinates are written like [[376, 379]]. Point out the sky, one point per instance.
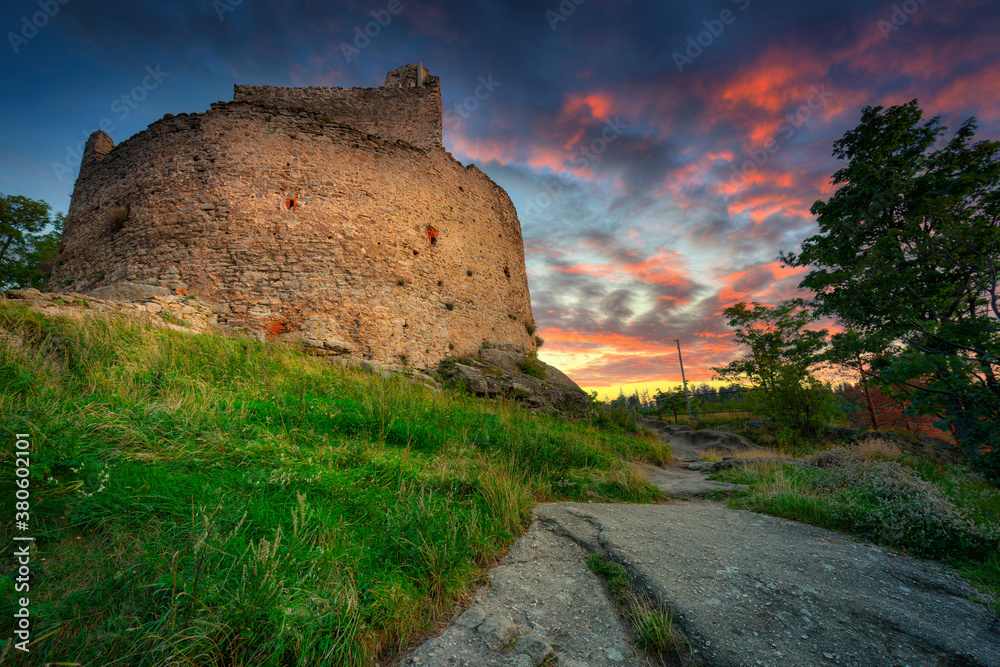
[[660, 154]]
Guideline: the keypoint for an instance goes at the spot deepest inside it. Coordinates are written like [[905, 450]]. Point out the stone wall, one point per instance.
[[302, 226], [407, 108]]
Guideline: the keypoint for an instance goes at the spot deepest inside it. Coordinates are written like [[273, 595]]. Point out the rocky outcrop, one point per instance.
[[543, 606], [688, 443], [510, 374]]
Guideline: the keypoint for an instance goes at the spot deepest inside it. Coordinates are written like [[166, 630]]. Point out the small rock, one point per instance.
[[472, 618], [535, 648], [614, 654], [497, 631], [339, 346], [522, 660]]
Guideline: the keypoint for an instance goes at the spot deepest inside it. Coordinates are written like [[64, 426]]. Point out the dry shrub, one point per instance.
[[869, 449], [893, 504], [877, 449]]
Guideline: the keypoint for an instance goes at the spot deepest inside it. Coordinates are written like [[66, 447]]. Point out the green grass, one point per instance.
[[943, 512], [207, 500], [173, 319], [655, 627]]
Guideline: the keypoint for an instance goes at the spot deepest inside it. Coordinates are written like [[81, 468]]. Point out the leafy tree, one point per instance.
[[780, 353], [775, 338], [27, 255], [907, 259]]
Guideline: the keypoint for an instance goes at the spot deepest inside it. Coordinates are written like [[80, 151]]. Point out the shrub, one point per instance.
[[616, 417], [805, 406], [530, 365], [887, 502], [117, 217]]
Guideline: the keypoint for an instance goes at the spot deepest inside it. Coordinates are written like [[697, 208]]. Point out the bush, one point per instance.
[[616, 417], [805, 406], [530, 365], [885, 501]]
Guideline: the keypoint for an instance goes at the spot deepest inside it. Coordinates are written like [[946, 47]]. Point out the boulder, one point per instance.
[[475, 382], [494, 372], [472, 618], [338, 346]]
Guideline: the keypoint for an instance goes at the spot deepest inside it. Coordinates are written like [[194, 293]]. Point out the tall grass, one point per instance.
[[204, 500]]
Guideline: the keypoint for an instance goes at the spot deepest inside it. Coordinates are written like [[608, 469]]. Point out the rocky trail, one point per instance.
[[744, 588]]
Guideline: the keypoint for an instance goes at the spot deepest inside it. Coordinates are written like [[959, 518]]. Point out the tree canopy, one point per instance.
[[781, 352], [27, 252], [906, 259]]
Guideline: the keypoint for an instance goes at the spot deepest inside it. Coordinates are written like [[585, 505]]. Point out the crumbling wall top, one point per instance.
[[408, 107]]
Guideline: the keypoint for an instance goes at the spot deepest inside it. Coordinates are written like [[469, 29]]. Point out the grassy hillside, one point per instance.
[[204, 500]]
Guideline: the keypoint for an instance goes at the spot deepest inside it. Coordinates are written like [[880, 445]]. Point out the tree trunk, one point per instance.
[[871, 408], [961, 427]]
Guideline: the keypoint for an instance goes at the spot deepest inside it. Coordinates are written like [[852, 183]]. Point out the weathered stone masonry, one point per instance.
[[355, 233]]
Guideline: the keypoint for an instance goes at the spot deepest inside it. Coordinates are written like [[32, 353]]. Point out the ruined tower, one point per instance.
[[331, 215]]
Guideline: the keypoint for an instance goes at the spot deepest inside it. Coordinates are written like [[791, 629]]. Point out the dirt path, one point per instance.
[[745, 588]]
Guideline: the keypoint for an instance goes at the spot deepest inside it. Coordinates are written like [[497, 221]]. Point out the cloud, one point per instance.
[[650, 199]]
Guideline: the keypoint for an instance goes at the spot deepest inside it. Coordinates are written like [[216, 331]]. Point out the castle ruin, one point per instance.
[[330, 215]]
